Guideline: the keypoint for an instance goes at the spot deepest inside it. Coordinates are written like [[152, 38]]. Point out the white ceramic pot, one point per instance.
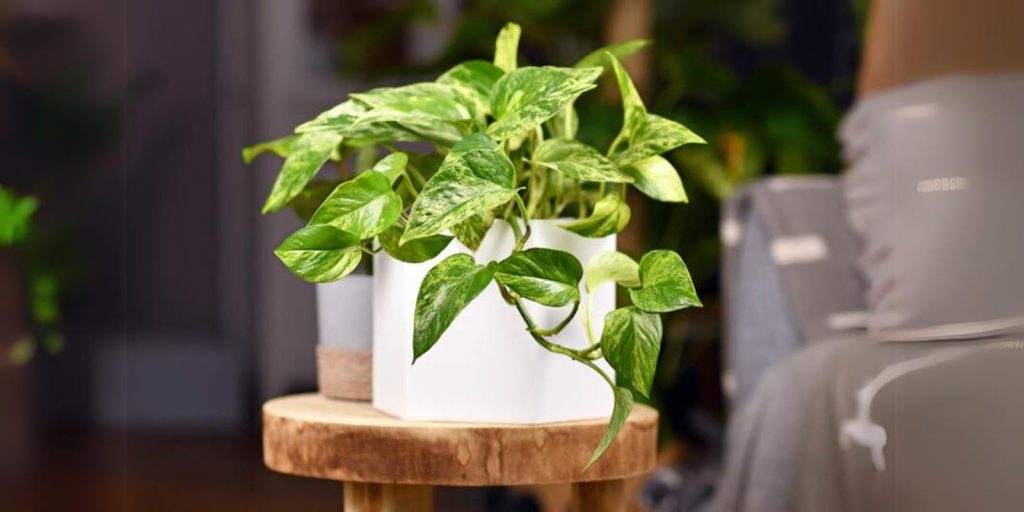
[[486, 368]]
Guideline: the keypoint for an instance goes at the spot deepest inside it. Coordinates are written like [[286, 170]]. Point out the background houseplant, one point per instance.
[[506, 150], [41, 282]]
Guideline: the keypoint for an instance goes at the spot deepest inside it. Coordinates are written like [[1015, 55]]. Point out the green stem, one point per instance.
[[415, 172], [600, 372], [537, 193], [615, 145], [532, 328], [558, 328], [586, 321], [558, 349], [521, 241], [581, 204], [409, 185], [517, 231]]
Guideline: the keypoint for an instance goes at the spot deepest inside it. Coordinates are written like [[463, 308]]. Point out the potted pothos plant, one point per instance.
[[478, 246]]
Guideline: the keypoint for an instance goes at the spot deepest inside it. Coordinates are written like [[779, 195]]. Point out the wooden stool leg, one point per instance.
[[604, 496], [362, 497]]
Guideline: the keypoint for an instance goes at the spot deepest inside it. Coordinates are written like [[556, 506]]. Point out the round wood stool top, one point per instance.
[[309, 435]]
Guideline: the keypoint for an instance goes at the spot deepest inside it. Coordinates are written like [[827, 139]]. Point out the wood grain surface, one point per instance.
[[363, 497], [310, 435]]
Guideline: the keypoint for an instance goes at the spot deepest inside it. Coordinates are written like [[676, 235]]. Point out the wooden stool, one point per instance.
[[391, 465]]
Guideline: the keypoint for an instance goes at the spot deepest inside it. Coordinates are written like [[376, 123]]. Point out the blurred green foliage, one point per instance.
[[15, 216], [41, 282], [59, 127]]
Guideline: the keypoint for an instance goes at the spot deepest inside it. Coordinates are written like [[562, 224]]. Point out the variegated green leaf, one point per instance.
[[506, 47], [611, 266], [665, 284], [610, 216], [446, 290], [320, 253], [578, 160], [471, 231], [523, 99], [392, 166], [545, 276], [474, 178], [433, 111], [474, 79], [308, 154], [655, 136], [415, 251], [395, 114], [281, 147], [378, 127], [630, 342], [620, 51], [620, 413], [362, 207], [632, 106], [336, 119], [657, 178]]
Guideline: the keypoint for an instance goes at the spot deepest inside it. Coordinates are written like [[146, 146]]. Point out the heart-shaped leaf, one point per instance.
[[523, 99], [415, 251], [630, 342], [475, 79], [620, 413], [658, 179], [647, 135], [392, 166], [620, 51], [359, 126], [545, 276], [632, 106], [446, 290], [362, 207], [665, 284], [337, 119], [655, 136], [308, 154], [506, 47], [281, 147], [320, 253], [610, 216], [474, 178], [611, 266], [435, 112], [578, 160]]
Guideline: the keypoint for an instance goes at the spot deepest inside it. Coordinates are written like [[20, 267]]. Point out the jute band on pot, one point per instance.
[[344, 374]]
